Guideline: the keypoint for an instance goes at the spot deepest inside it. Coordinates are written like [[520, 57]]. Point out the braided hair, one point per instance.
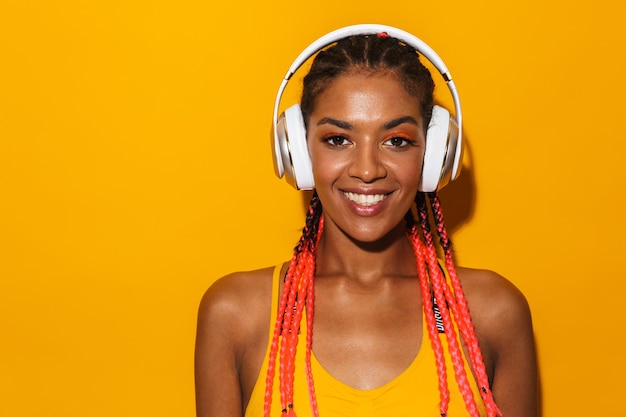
[[384, 54]]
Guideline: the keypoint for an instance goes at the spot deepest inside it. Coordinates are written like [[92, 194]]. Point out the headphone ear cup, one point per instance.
[[294, 154], [440, 153]]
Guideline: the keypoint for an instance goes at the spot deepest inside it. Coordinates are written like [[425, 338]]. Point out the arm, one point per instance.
[[504, 327], [218, 390], [515, 372]]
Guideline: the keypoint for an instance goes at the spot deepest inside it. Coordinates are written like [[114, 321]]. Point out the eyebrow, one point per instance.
[[400, 120], [335, 122], [389, 125]]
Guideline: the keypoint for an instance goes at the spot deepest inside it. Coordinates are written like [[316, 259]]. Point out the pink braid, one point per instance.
[[466, 326], [296, 290], [445, 304], [431, 323], [297, 296], [287, 348], [305, 288], [309, 315], [278, 329]]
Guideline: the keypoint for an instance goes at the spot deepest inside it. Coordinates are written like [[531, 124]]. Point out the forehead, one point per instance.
[[366, 95]]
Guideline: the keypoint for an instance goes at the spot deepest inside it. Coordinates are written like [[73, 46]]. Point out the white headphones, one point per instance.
[[444, 146]]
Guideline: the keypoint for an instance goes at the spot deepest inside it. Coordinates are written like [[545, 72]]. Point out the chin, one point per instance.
[[377, 235]]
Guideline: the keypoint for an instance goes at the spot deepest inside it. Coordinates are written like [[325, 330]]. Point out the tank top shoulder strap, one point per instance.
[[276, 277]]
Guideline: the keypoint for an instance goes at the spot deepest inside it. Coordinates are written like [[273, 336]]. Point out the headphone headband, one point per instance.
[[367, 29], [372, 29]]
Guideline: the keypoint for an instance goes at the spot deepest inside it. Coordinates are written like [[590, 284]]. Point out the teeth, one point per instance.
[[365, 199]]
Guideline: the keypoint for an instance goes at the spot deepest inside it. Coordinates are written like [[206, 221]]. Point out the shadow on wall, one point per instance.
[[458, 198]]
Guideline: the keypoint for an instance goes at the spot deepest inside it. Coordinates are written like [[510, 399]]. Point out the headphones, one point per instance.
[[444, 146]]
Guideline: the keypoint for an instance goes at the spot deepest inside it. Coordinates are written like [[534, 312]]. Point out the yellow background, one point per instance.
[[135, 170]]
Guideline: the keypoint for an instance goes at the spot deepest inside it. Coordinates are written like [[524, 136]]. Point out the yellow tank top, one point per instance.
[[412, 393]]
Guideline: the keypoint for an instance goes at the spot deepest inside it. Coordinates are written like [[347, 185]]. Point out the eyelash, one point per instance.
[[405, 142], [330, 140], [340, 141]]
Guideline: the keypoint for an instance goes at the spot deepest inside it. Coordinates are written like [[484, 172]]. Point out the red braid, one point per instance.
[[310, 302], [446, 305], [431, 323], [289, 339], [466, 327], [298, 293], [278, 330]]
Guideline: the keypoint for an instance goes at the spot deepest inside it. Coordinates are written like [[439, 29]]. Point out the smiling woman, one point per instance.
[[366, 320]]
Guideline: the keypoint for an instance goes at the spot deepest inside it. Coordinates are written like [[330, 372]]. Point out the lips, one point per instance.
[[365, 199]]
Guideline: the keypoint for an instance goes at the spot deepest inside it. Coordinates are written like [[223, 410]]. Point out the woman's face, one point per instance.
[[366, 138]]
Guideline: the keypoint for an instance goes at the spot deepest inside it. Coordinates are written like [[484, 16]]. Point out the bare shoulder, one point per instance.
[[503, 323], [500, 313], [234, 315], [236, 297], [233, 319], [493, 298], [238, 284]]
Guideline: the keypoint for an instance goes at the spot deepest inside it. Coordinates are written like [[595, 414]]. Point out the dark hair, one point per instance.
[[370, 54]]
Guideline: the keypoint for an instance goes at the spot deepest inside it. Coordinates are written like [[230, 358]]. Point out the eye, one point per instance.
[[337, 140], [398, 142]]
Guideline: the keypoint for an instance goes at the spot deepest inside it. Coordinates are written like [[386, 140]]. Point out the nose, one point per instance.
[[367, 164]]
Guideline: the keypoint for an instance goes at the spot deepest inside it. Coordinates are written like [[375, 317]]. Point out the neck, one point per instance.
[[365, 262]]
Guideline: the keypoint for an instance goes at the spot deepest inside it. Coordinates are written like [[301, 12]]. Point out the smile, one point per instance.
[[365, 199]]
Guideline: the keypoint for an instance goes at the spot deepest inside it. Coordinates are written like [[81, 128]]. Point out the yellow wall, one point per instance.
[[135, 169]]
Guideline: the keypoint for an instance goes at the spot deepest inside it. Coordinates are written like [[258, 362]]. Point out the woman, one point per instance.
[[365, 274]]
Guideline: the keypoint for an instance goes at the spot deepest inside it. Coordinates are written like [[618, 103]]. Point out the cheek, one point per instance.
[[325, 172], [413, 181], [326, 164], [409, 171]]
